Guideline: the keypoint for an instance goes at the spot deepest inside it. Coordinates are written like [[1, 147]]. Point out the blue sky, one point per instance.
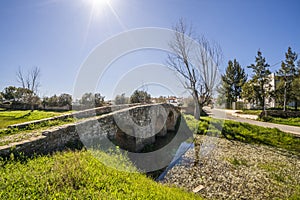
[[58, 36]]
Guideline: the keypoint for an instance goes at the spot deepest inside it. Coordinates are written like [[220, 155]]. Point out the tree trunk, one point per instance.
[[284, 98], [197, 106], [197, 110]]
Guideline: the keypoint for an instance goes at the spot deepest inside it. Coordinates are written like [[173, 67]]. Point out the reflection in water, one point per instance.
[[197, 152]]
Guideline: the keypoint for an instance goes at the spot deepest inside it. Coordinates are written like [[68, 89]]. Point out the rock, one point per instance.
[[198, 188]]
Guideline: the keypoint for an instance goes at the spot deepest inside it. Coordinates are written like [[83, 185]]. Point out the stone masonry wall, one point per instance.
[[79, 115], [131, 128]]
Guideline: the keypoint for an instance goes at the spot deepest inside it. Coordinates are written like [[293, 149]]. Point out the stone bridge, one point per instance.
[[131, 128]]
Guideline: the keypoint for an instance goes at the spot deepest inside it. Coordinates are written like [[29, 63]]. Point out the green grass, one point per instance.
[[296, 195], [15, 117], [31, 127], [80, 175], [237, 162], [250, 112], [286, 121], [248, 133]]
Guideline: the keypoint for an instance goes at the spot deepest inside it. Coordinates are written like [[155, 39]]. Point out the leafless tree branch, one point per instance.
[[196, 64]]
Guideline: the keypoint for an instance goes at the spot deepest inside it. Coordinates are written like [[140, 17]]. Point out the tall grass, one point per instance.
[[79, 175]]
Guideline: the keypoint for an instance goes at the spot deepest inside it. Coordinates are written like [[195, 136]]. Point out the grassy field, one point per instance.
[[245, 132], [80, 175], [15, 117]]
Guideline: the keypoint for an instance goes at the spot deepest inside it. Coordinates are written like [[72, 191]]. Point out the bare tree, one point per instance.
[[31, 80], [196, 60]]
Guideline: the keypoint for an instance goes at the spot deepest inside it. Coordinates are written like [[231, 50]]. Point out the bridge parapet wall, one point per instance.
[[131, 128]]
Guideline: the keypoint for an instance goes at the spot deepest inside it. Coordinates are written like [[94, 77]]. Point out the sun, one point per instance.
[[98, 3], [97, 6]]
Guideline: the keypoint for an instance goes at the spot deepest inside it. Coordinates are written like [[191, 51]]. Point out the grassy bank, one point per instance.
[[80, 175], [292, 121], [286, 121], [15, 117], [245, 132], [250, 112]]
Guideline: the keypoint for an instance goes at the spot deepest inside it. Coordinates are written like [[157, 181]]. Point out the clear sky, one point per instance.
[[58, 35]]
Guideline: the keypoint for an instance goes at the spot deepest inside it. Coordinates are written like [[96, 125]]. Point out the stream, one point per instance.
[[184, 147]]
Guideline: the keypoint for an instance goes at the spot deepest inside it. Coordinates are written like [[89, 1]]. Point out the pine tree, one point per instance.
[[232, 82], [261, 77], [287, 72]]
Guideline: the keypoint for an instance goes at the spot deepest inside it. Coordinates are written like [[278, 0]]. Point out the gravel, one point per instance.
[[235, 170]]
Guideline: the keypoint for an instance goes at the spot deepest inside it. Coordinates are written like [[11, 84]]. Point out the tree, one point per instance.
[[121, 99], [26, 96], [87, 99], [261, 77], [52, 101], [278, 93], [288, 72], [9, 93], [98, 99], [1, 97], [250, 92], [296, 91], [20, 96], [197, 64], [140, 96], [64, 100], [232, 82], [161, 99], [31, 80], [45, 102], [92, 100]]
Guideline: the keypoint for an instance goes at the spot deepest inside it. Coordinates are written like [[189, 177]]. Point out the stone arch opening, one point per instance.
[[124, 138], [171, 121], [160, 126]]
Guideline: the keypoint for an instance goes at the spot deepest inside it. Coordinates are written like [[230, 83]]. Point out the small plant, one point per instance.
[[238, 162]]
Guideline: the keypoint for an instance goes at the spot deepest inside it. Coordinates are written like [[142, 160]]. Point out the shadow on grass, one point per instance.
[[24, 116]]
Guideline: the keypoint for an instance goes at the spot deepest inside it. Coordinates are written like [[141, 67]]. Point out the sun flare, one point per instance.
[[98, 3], [98, 6]]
